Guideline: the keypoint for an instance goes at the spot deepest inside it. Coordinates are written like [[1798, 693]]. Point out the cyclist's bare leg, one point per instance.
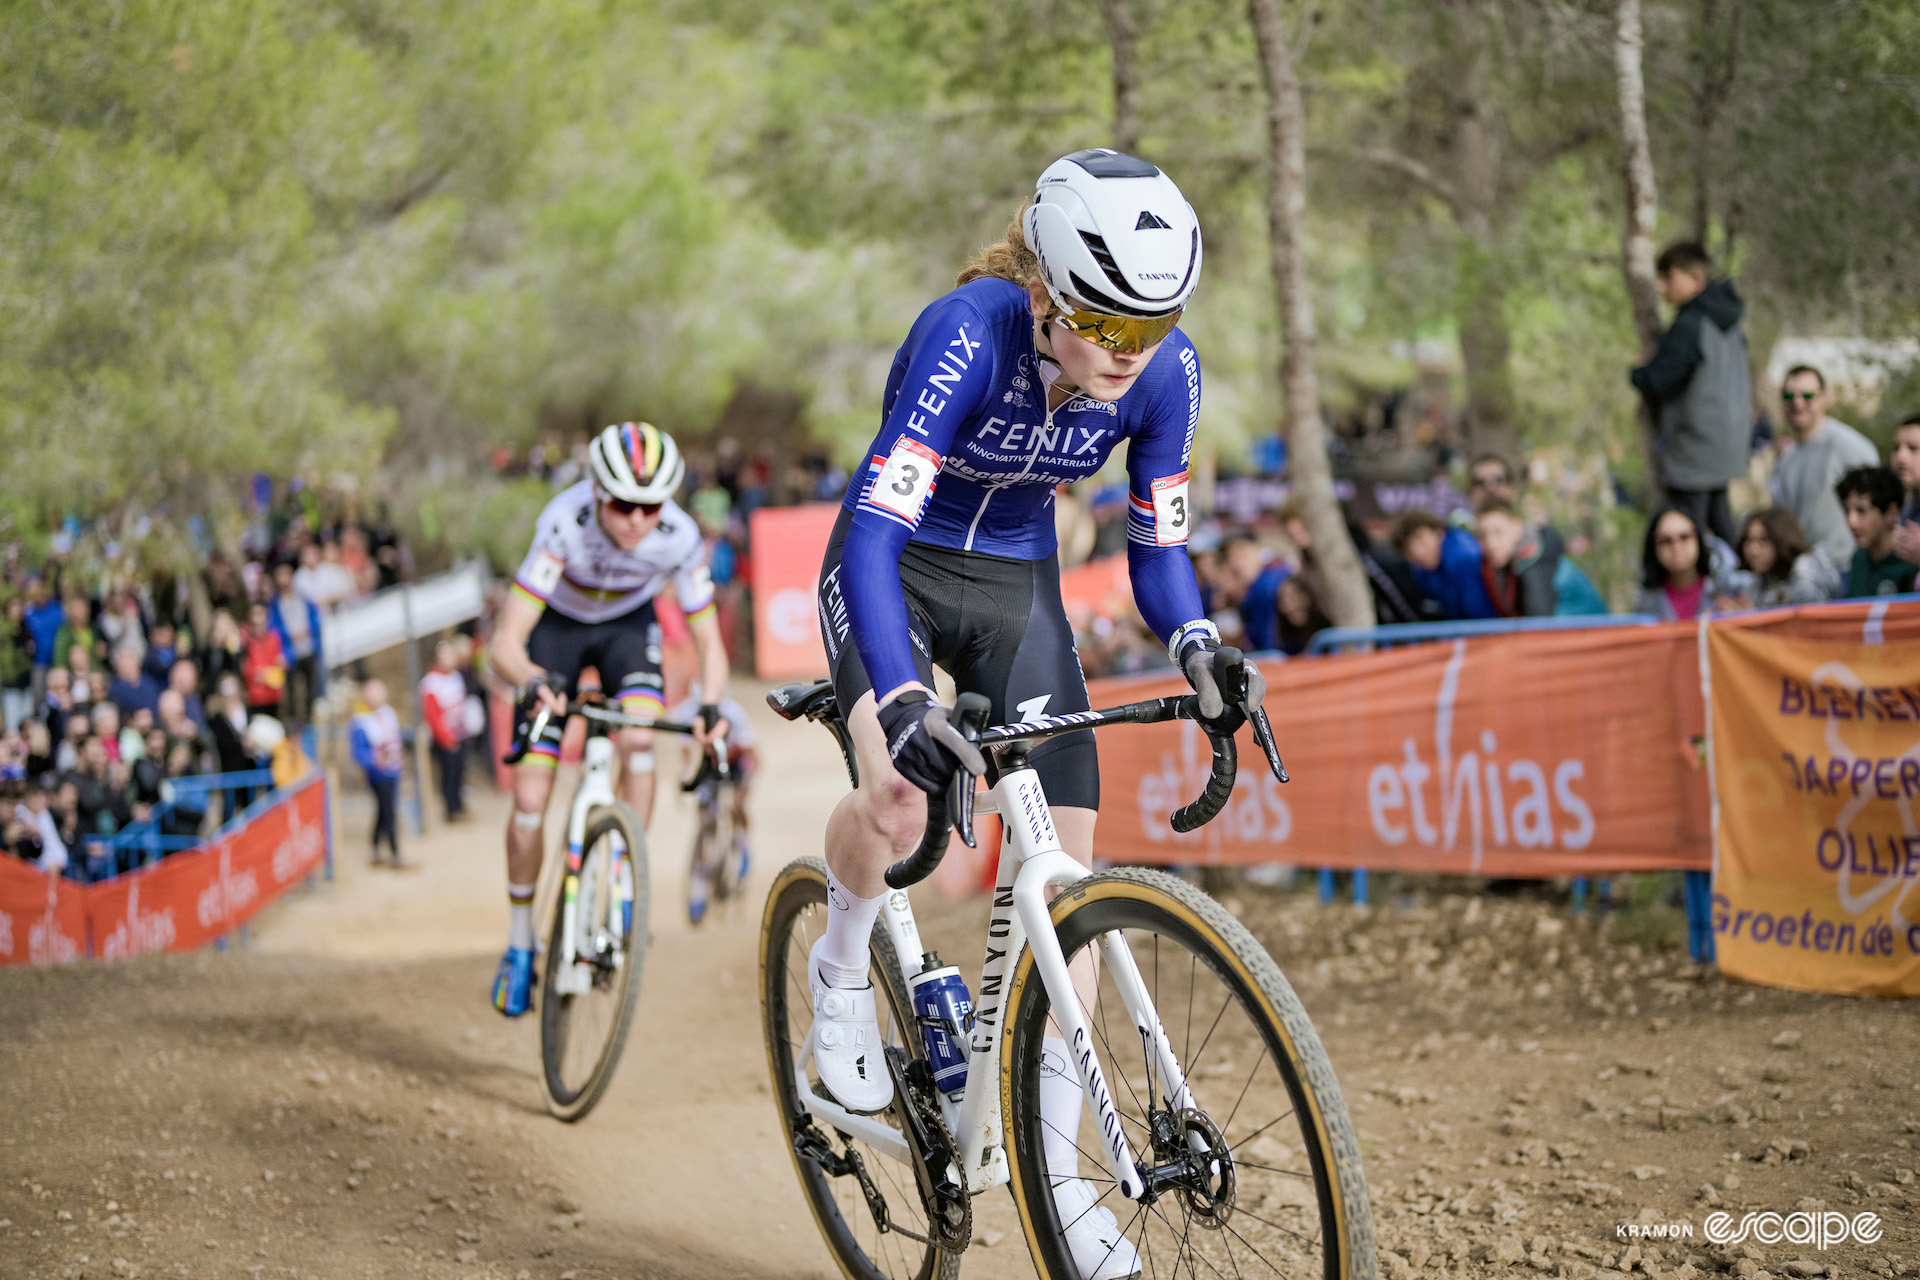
[[635, 753], [526, 844]]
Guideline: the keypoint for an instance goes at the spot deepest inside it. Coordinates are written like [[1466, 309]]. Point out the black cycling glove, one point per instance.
[[924, 745], [1197, 662]]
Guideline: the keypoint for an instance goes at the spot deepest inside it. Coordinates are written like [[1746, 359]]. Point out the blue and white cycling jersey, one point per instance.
[[968, 457]]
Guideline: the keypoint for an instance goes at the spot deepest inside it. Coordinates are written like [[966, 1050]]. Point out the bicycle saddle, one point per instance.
[[808, 698]]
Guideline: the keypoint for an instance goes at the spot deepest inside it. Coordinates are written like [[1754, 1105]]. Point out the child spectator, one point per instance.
[[1779, 567], [263, 665], [1676, 569], [1871, 498], [1697, 384], [1517, 564], [1905, 461], [131, 687], [443, 700], [1301, 617], [1445, 563], [377, 750]]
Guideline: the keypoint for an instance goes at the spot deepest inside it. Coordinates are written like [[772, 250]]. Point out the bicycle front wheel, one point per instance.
[[586, 1006], [1261, 1172], [865, 1247]]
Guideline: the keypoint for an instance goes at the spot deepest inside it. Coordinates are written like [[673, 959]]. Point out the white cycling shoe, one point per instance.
[[1099, 1251], [847, 1051]]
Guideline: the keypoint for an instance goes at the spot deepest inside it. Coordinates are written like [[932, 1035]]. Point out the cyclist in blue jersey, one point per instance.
[[1057, 345]]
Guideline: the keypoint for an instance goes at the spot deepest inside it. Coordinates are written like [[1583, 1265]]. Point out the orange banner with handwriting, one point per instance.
[[1532, 754], [1816, 733]]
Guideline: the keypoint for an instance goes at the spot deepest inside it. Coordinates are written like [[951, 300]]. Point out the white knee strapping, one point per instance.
[[527, 821], [640, 762]]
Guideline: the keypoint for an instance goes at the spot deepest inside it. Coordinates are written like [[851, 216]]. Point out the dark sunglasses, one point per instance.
[[625, 508], [1807, 397]]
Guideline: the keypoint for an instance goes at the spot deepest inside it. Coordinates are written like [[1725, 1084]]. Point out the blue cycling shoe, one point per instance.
[[513, 984], [697, 894], [746, 861]]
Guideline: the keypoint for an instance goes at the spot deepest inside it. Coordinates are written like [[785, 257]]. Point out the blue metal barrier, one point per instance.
[[1417, 632], [140, 843]]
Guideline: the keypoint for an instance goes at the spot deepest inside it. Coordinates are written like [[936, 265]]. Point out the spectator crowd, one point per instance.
[[111, 692]]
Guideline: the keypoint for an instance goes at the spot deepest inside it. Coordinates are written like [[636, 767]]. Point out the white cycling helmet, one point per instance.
[[636, 462], [1118, 245]]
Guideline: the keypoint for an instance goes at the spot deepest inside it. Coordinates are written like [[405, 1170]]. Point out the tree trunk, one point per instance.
[[1123, 37], [1642, 209], [1349, 602], [1486, 345]]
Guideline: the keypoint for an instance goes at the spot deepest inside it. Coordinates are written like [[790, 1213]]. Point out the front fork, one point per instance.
[[572, 975]]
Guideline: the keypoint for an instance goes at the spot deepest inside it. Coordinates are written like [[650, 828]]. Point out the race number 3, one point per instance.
[[1171, 518], [906, 480]]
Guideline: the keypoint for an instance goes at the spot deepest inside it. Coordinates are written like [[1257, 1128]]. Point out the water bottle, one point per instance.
[[944, 1008]]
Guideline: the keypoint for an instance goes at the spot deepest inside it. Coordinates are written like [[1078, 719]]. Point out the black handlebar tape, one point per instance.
[[919, 864], [1219, 787]]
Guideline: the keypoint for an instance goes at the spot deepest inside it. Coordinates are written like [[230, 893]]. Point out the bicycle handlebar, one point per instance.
[[954, 805], [588, 709]]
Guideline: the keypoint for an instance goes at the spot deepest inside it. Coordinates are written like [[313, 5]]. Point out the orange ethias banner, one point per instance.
[[788, 545], [178, 904], [1530, 754], [1817, 776]]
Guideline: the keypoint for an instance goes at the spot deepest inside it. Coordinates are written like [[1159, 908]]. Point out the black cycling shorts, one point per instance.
[[624, 650], [995, 625]]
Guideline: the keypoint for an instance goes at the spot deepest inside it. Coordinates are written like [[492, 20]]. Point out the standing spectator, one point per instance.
[[1490, 476], [16, 665], [39, 750], [1779, 567], [77, 630], [296, 620], [1905, 461], [226, 649], [43, 828], [45, 616], [120, 624], [1255, 574], [57, 703], [443, 700], [1804, 480], [1396, 598], [1445, 563], [88, 687], [263, 665], [131, 687], [1871, 498], [377, 750], [183, 678], [1517, 562], [1676, 569], [1698, 386], [162, 652]]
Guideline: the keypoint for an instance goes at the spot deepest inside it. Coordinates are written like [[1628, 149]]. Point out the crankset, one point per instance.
[[936, 1156]]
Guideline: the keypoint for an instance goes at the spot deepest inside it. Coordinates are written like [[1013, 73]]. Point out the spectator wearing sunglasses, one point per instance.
[[1679, 576], [1825, 450], [1697, 384]]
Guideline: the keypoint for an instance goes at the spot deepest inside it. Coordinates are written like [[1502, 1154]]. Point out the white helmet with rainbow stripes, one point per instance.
[[636, 462]]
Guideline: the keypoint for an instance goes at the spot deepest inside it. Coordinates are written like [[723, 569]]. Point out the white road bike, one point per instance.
[[1213, 1127], [597, 942]]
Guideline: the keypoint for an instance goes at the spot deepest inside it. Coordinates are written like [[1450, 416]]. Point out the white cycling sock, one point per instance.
[[1060, 1099], [520, 916], [845, 949]]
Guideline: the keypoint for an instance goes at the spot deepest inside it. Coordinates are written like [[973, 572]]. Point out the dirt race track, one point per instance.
[[339, 1100]]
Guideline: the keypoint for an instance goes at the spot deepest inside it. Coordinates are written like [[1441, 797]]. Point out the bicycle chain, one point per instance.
[[949, 1207]]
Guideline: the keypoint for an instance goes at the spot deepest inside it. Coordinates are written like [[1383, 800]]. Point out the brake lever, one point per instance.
[[970, 714], [1263, 734]]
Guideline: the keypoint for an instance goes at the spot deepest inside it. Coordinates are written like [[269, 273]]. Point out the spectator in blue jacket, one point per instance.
[[1249, 563], [377, 750], [132, 688], [296, 620], [1445, 562], [45, 616]]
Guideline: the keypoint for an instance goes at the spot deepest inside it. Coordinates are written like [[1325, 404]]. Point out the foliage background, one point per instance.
[[373, 240]]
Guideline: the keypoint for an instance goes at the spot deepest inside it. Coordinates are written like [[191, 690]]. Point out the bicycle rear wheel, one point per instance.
[[586, 1008], [795, 918], [1265, 1170]]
